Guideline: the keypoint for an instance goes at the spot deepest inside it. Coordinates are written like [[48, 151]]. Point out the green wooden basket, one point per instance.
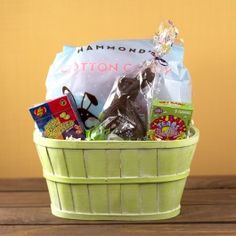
[[116, 180]]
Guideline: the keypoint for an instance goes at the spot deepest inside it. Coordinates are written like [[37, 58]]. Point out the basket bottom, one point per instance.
[[115, 217]]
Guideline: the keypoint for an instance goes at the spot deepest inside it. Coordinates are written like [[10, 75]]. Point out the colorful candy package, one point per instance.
[[58, 119], [169, 120]]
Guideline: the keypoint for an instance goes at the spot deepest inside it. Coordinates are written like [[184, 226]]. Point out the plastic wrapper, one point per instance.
[[169, 120], [129, 101], [89, 72], [125, 112], [113, 128]]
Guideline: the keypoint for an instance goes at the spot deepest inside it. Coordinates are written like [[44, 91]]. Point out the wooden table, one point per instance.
[[208, 208]]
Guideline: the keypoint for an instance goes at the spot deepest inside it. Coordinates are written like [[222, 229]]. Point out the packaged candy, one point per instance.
[[130, 98], [169, 120], [116, 86], [93, 68], [125, 111], [58, 119]]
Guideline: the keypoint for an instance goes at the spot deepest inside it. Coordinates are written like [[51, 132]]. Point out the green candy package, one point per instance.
[[169, 120]]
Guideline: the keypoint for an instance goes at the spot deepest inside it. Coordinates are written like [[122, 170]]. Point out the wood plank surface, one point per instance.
[[208, 208], [211, 182], [31, 184], [189, 214], [190, 197], [193, 182], [122, 230]]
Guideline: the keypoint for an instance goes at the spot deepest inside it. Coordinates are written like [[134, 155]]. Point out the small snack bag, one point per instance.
[[58, 119]]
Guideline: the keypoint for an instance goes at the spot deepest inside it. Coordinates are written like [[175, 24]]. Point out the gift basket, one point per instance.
[[115, 136]]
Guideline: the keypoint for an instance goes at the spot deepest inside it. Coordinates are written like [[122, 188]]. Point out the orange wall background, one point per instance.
[[33, 31]]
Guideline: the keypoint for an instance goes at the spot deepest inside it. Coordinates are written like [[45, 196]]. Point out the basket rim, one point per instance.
[[114, 144]]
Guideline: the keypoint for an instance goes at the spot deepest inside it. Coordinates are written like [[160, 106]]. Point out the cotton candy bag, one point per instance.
[[94, 68]]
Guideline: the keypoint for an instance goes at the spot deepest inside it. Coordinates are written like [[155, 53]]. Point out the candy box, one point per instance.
[[58, 118], [169, 120]]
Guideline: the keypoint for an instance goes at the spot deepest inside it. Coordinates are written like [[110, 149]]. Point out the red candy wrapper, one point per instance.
[[58, 119]]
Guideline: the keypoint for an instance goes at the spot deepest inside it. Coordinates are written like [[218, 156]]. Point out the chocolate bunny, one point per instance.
[[128, 123]]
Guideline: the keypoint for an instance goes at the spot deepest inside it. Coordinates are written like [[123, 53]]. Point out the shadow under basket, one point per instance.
[[116, 180]]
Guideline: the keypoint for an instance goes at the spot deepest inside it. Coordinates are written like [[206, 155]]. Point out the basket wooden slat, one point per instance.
[[114, 180]]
